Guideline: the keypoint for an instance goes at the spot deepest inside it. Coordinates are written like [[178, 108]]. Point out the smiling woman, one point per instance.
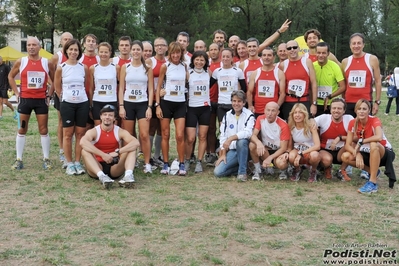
[[70, 80]]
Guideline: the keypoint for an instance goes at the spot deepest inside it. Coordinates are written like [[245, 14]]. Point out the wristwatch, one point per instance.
[[360, 142], [314, 103], [378, 102], [300, 153], [156, 104], [117, 151]]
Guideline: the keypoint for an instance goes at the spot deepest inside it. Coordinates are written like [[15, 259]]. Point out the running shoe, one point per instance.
[[193, 159], [212, 158], [157, 161], [368, 188], [187, 165], [71, 170], [182, 169], [242, 178], [17, 165], [127, 181], [79, 169], [165, 169], [61, 156], [256, 176], [365, 175], [106, 181], [47, 164], [269, 171], [198, 167], [343, 176], [312, 176], [283, 174], [296, 174], [148, 169]]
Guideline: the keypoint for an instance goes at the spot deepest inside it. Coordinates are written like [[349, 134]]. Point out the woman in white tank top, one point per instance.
[[70, 81], [103, 85], [305, 143], [136, 88]]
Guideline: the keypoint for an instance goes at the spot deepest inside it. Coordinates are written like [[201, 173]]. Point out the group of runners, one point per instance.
[[100, 98]]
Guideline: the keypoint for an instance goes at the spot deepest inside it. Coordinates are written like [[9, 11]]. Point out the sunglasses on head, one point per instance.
[[292, 47], [109, 106]]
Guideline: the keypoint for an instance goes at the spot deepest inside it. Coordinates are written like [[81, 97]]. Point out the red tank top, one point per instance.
[[121, 61], [266, 89], [312, 57], [250, 66], [156, 69], [213, 91], [106, 141], [297, 78], [359, 78], [34, 77]]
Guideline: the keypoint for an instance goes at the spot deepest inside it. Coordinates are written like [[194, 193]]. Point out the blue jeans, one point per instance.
[[236, 160]]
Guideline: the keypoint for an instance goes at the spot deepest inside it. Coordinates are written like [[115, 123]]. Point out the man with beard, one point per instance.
[[312, 38]]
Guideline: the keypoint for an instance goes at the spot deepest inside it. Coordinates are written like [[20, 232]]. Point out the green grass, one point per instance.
[[48, 218]]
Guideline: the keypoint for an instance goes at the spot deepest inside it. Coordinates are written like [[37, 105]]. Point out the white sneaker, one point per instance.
[[283, 175], [127, 181], [79, 169], [256, 176], [71, 170], [106, 181], [148, 169]]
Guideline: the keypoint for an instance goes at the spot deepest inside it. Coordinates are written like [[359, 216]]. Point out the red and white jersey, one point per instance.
[[312, 57], [297, 79], [119, 61], [272, 133], [106, 141], [301, 141], [61, 57], [213, 91], [266, 89], [359, 79], [368, 131], [330, 130], [187, 59], [156, 69], [250, 65], [34, 77], [89, 60]]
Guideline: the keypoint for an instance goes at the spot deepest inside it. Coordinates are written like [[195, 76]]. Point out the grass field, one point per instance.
[[48, 218]]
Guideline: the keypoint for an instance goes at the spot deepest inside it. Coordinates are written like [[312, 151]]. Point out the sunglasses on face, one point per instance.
[[292, 47]]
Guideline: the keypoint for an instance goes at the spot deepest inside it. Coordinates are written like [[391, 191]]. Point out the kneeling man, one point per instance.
[[235, 132], [272, 147], [102, 153]]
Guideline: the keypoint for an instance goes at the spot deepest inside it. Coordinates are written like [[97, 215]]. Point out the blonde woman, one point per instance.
[[305, 143]]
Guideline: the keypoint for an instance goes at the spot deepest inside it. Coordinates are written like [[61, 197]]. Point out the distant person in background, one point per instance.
[[393, 81], [4, 86]]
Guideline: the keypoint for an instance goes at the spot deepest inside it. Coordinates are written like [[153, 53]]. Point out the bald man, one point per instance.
[[35, 72], [200, 45], [147, 52], [272, 149]]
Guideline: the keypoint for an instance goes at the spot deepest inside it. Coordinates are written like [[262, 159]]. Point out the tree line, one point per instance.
[[145, 20]]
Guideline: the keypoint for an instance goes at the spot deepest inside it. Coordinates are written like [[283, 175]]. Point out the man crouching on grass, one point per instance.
[[102, 154]]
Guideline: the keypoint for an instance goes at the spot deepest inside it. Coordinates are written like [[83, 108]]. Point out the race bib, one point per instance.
[[297, 87], [357, 78], [300, 146], [226, 83], [36, 79], [136, 91], [365, 148], [266, 88], [200, 87], [272, 145], [74, 93], [323, 91], [177, 87], [339, 145], [105, 87]]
